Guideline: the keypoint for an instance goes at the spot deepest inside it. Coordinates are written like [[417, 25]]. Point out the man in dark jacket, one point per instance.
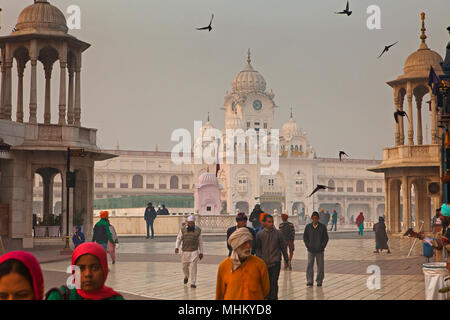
[[241, 221], [270, 245], [315, 237], [150, 216], [102, 233], [255, 217], [164, 210]]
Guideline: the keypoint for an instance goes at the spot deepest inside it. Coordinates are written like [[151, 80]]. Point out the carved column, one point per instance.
[[2, 99], [20, 69], [33, 90], [48, 77], [433, 119], [419, 120], [397, 126], [62, 93], [70, 114], [410, 115], [78, 97], [7, 104]]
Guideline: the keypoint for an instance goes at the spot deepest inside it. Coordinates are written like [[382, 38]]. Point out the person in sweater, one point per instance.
[[255, 217], [315, 238], [334, 220], [89, 276], [242, 276], [270, 245], [241, 222], [78, 237], [149, 217], [288, 230], [102, 233], [190, 237], [360, 223], [381, 237]]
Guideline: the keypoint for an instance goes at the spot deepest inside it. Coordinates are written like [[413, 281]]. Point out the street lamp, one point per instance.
[[70, 183]]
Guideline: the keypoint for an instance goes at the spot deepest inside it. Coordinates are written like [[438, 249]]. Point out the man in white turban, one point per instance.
[[242, 276], [190, 237]]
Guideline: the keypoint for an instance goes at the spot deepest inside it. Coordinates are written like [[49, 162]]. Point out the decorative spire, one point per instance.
[[291, 112], [208, 116], [248, 58], [423, 45]]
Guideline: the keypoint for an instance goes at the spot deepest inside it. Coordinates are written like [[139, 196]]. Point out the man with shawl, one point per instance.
[[360, 223], [381, 237], [20, 277], [90, 272], [190, 237], [242, 276]]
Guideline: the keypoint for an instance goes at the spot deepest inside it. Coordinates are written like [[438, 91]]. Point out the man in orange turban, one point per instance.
[[102, 234]]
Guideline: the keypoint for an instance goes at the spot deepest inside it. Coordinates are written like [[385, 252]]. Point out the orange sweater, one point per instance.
[[248, 282]]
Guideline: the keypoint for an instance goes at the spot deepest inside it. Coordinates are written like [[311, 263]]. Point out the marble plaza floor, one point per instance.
[[151, 270]]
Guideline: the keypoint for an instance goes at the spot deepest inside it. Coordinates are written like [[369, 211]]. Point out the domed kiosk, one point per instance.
[[207, 195]]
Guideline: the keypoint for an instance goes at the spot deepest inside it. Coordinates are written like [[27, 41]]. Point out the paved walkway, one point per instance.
[[150, 270]]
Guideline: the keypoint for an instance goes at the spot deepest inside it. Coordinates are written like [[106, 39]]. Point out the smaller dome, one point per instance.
[[207, 179], [290, 129], [41, 17], [418, 64]]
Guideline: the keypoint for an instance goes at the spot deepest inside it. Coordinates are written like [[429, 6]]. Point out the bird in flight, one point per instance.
[[346, 11], [386, 49], [342, 153], [320, 187], [209, 28], [399, 113]]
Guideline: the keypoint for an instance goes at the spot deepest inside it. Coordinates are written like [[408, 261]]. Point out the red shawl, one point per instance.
[[359, 219], [33, 267], [96, 250]]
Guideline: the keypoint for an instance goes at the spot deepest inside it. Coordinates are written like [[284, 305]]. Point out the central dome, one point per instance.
[[207, 179], [418, 63], [249, 80], [41, 17]]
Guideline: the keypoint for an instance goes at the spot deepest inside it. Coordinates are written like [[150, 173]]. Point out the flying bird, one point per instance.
[[399, 113], [209, 28], [341, 153], [320, 187], [386, 49], [346, 11]]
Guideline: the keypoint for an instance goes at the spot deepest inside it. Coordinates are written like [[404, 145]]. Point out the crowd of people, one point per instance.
[[250, 272]]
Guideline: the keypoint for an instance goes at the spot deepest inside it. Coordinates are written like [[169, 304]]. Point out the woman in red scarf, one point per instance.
[[360, 223], [20, 277], [91, 261]]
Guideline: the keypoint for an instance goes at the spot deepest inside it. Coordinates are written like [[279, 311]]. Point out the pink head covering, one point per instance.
[[96, 250], [33, 266]]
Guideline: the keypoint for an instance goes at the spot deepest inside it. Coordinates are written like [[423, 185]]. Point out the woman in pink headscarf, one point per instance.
[[92, 262], [20, 277]]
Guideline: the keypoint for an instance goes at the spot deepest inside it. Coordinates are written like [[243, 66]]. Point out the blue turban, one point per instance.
[[445, 210]]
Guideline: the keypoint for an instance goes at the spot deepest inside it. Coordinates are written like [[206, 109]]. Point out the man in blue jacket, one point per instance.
[[150, 216], [315, 237]]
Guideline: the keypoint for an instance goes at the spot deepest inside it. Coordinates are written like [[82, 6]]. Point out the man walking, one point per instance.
[[315, 237], [270, 245], [150, 216], [255, 217], [190, 237], [288, 230], [334, 220], [241, 222], [102, 233]]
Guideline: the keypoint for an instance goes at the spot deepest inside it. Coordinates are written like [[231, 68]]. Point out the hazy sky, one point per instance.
[[149, 71]]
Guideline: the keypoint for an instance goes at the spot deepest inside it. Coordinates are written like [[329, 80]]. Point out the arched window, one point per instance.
[[360, 186], [296, 148], [173, 182], [111, 182], [301, 148], [137, 182], [331, 184], [292, 147], [124, 182], [98, 181]]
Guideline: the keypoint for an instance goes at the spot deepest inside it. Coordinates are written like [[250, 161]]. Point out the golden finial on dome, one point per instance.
[[291, 112], [248, 58], [423, 36], [208, 116]]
